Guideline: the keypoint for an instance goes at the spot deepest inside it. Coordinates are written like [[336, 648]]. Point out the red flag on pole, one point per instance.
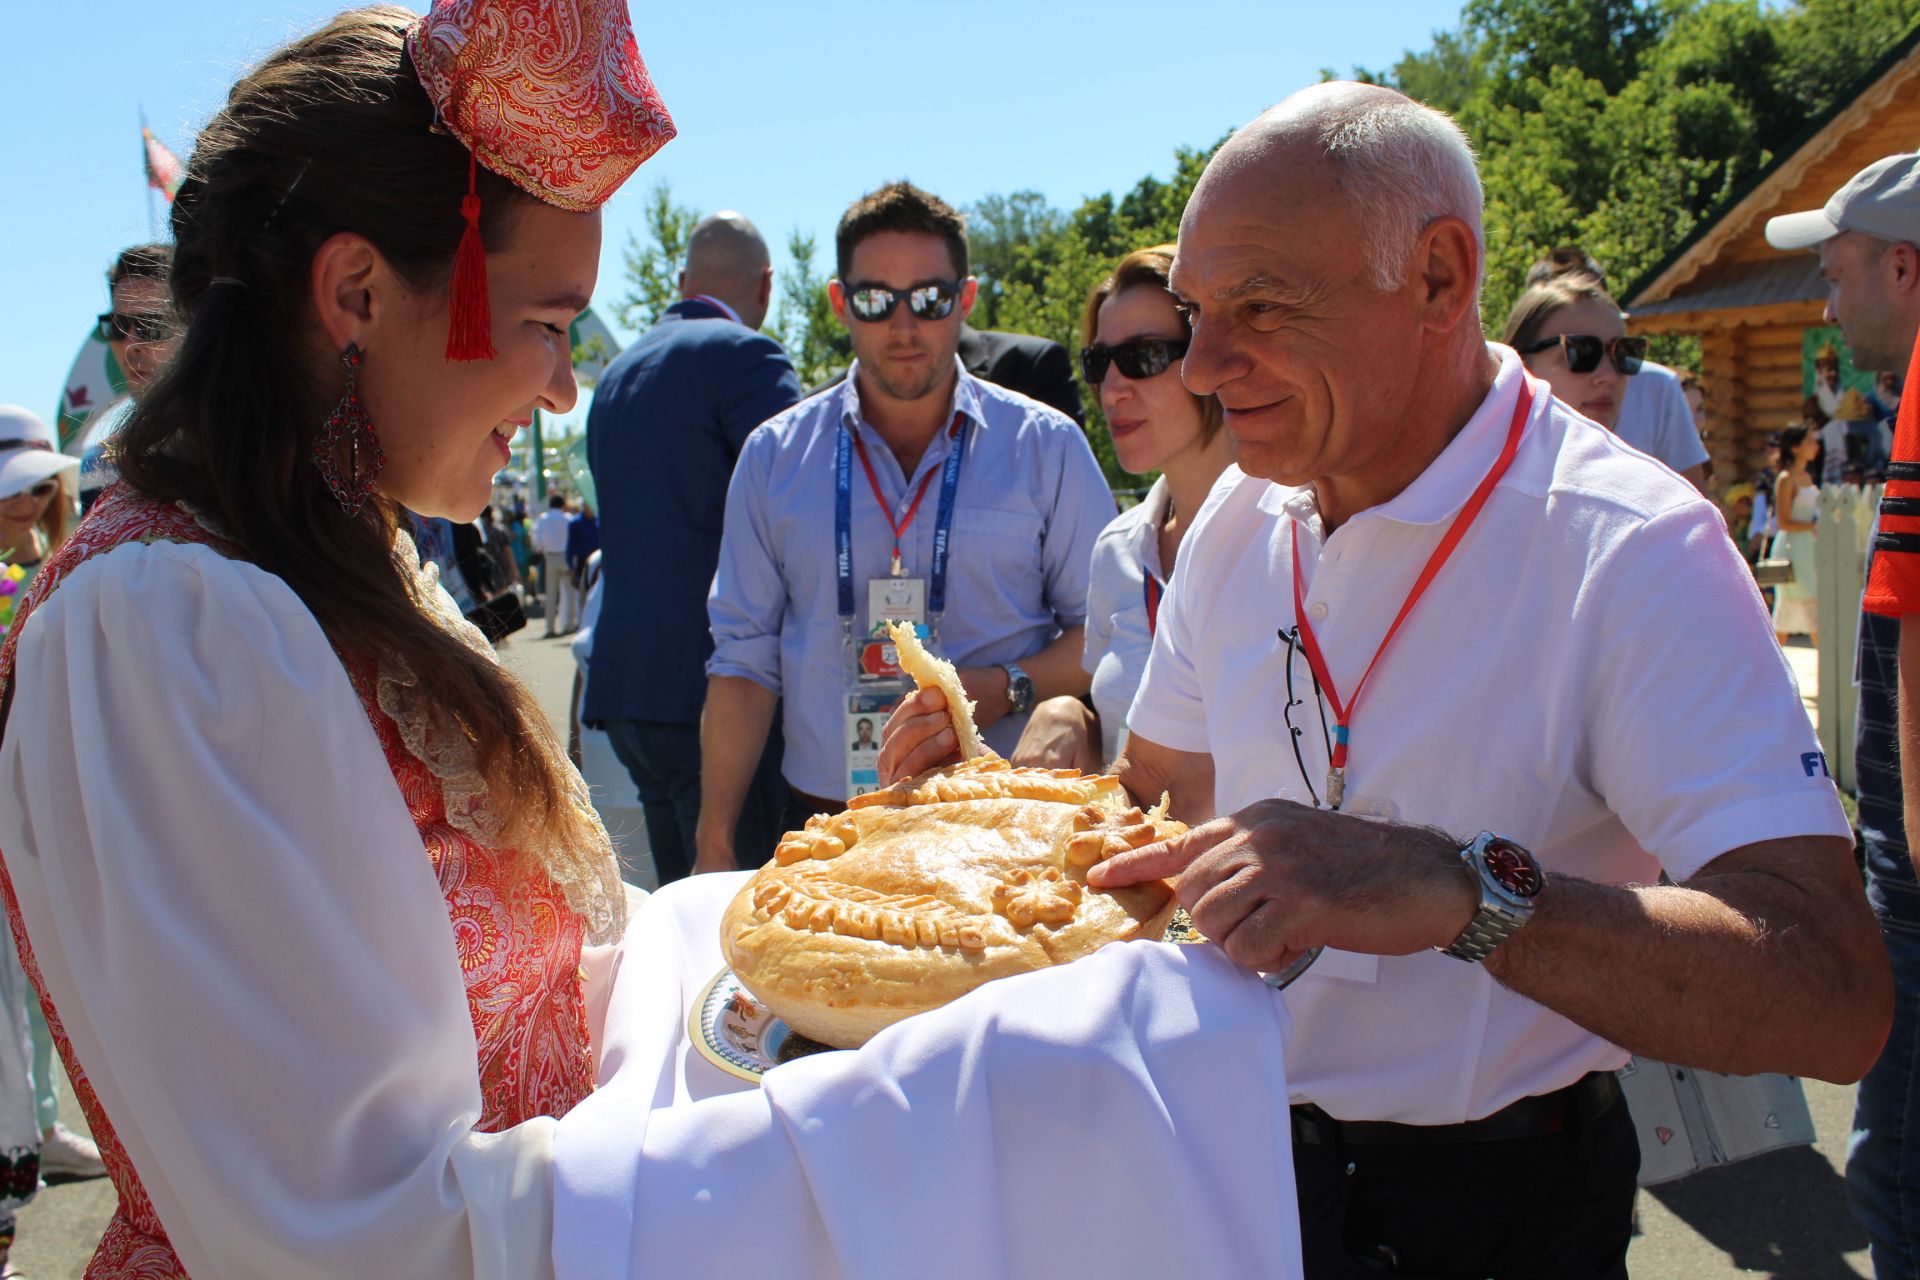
[[164, 169]]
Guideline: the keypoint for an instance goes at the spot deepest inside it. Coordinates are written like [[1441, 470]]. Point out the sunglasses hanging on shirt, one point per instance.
[[930, 300], [1138, 359], [1583, 352]]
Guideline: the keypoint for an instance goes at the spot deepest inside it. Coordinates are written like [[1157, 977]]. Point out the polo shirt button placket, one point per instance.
[[1318, 609]]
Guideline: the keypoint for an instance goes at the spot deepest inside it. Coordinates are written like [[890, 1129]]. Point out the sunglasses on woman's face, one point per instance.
[[1584, 350], [1136, 359], [930, 300], [126, 327], [45, 489]]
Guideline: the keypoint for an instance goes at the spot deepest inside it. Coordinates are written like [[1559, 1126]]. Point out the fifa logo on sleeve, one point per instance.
[[1815, 763]]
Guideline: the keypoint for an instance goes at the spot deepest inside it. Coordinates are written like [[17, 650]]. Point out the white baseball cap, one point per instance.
[[27, 455], [1882, 200]]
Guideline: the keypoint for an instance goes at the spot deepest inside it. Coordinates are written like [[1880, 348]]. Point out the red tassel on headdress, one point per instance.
[[470, 329]]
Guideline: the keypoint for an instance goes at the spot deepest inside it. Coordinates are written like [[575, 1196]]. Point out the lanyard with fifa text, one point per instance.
[[844, 446], [1343, 711]]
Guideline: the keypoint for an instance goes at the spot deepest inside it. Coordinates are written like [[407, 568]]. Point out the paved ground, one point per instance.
[[1783, 1215]]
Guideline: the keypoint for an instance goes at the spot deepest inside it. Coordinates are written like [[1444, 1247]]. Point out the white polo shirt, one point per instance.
[[1656, 419], [1592, 674]]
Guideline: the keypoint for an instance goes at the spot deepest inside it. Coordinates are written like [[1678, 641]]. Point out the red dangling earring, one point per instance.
[[349, 422]]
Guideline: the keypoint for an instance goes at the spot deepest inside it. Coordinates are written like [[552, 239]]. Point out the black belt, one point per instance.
[[819, 804], [1531, 1117]]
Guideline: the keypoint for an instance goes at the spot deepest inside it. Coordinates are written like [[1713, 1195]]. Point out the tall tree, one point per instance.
[[653, 265], [997, 227], [805, 325]]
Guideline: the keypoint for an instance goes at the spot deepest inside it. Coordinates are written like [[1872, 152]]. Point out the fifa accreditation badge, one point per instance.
[[890, 600], [867, 710]]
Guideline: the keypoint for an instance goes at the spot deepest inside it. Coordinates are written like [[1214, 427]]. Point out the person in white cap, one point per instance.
[[34, 505], [1866, 237], [34, 501]]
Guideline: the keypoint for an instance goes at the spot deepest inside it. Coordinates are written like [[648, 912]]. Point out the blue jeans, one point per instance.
[[664, 762], [1883, 1159]]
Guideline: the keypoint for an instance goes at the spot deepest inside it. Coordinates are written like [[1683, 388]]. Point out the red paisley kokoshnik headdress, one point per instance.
[[549, 94]]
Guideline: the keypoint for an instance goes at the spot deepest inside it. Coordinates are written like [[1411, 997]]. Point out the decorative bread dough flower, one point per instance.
[[1027, 899]]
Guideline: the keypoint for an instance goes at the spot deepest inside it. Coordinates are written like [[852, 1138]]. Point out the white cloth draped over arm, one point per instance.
[[235, 917], [1124, 1115]]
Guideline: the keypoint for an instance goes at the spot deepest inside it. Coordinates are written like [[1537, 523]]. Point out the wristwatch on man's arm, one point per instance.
[[1019, 689], [1510, 880]]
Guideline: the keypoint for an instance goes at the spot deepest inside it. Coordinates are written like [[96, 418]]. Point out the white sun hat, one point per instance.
[[1882, 200], [27, 455]]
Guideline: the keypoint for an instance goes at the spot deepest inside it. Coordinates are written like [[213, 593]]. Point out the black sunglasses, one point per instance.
[[1583, 352], [1137, 359], [45, 489], [929, 300], [113, 325]]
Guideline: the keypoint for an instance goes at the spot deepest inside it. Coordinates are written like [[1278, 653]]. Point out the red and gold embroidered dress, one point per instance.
[[517, 939]]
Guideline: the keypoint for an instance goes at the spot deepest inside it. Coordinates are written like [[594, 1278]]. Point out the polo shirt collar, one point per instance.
[[1146, 529], [1450, 479]]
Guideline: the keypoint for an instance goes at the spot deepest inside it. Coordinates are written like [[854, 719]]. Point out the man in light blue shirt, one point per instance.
[[910, 452]]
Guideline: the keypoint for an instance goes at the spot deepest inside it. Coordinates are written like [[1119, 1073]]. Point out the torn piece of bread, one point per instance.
[[929, 672]]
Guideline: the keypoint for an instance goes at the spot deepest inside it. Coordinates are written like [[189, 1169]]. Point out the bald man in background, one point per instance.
[[666, 425]]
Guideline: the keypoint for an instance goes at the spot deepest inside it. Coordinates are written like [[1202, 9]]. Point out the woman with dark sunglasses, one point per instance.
[[1135, 337], [1569, 332]]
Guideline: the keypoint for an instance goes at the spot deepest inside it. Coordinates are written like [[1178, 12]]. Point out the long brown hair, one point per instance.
[[57, 520], [1532, 309], [334, 133]]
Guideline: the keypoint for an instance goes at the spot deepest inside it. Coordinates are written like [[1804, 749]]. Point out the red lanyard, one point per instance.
[[886, 512], [1151, 588], [1343, 711]]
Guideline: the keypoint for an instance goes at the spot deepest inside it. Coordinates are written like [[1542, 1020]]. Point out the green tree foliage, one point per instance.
[[1616, 125], [804, 324], [1038, 279], [653, 265], [997, 228]]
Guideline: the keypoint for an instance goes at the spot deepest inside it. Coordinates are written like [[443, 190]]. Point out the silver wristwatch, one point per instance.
[[1019, 689], [1510, 880]]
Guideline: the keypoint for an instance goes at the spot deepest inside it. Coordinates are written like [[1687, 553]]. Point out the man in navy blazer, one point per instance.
[[667, 423]]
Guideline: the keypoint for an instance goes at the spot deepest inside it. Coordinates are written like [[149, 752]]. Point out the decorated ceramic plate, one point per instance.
[[738, 1034]]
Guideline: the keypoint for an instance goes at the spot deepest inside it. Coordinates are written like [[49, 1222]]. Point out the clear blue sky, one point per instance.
[[1066, 97]]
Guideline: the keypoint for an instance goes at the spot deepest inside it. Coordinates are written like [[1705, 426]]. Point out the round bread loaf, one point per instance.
[[917, 894]]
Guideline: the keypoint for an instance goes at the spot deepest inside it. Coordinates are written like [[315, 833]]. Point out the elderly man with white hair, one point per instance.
[[1433, 655]]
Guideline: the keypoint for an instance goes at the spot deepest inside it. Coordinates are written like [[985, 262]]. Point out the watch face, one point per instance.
[[1513, 868]]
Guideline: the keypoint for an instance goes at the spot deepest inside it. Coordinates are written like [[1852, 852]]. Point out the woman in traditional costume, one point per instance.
[[300, 872]]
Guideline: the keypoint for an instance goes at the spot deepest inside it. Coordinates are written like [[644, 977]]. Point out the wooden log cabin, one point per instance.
[[1751, 304]]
